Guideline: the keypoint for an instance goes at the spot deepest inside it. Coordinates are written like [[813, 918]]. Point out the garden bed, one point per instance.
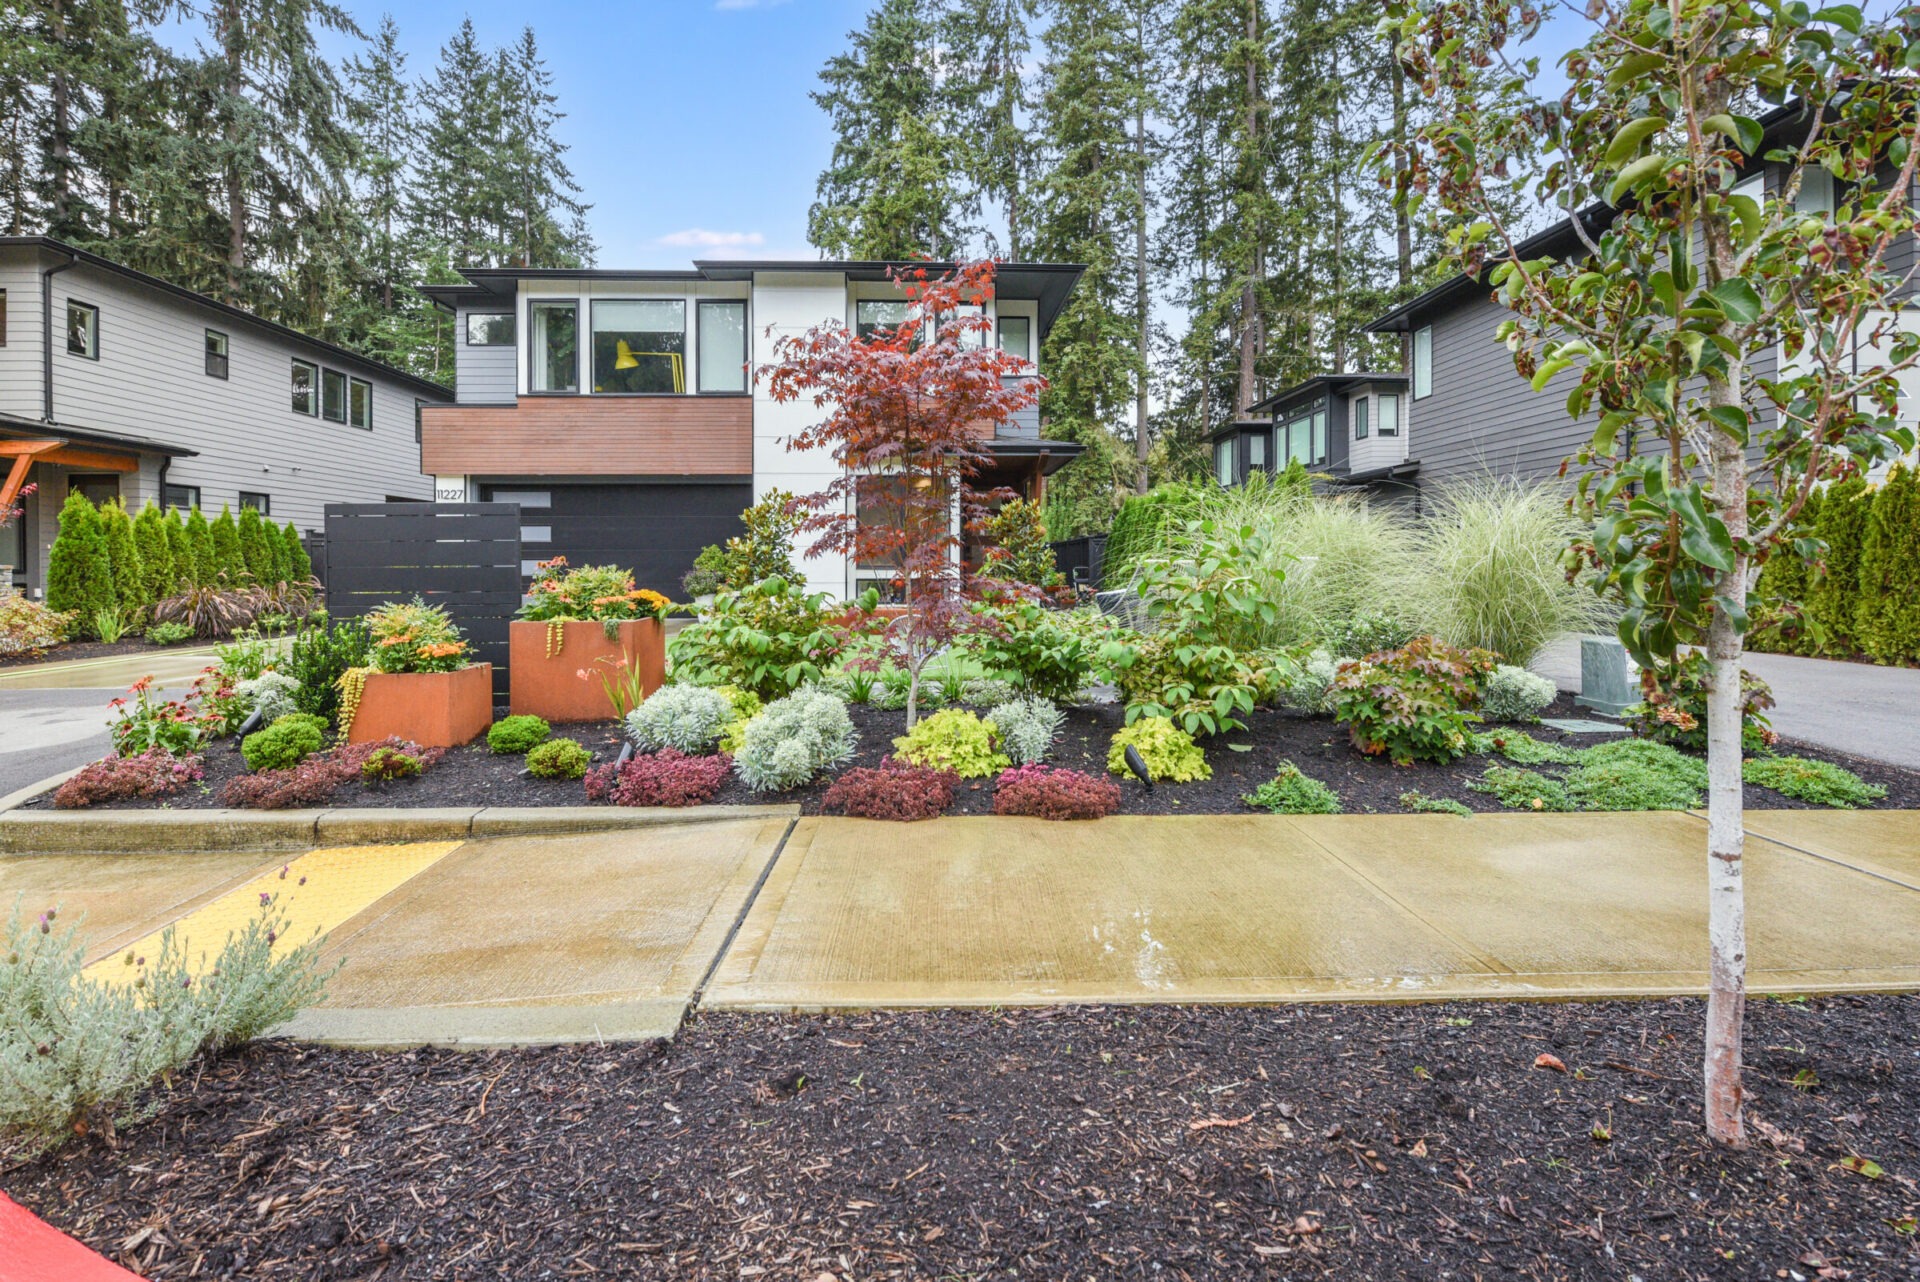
[[68, 651], [1416, 1141], [473, 776]]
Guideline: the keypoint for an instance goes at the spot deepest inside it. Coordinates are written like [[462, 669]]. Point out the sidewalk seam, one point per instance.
[[699, 996], [1784, 844]]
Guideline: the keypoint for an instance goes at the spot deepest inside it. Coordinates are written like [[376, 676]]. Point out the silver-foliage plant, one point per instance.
[[792, 740], [1310, 689], [271, 694], [686, 718], [1027, 728], [1515, 694]]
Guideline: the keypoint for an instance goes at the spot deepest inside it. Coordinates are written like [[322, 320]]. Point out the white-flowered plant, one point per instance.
[[1027, 728], [686, 718], [270, 694], [792, 740], [1515, 694]]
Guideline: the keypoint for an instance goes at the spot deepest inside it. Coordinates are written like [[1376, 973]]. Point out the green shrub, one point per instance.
[[1027, 728], [1833, 595], [261, 561], [1633, 774], [285, 743], [1413, 704], [1673, 709], [1290, 792], [123, 553], [1169, 752], [953, 740], [179, 553], [27, 627], [1818, 783], [1046, 652], [559, 759], [1520, 789], [1421, 803], [299, 564], [1140, 529], [79, 573], [156, 558], [1017, 547], [770, 638], [517, 734], [319, 656], [1309, 685], [229, 559], [765, 550], [792, 740], [1515, 694], [1886, 619], [386, 764], [1779, 600], [707, 574], [205, 553], [169, 633]]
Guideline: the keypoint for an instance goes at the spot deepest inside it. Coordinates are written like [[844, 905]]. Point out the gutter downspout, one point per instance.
[[46, 331]]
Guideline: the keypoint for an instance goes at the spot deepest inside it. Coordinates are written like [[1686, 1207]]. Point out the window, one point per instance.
[[1317, 450], [261, 503], [1256, 451], [1016, 337], [216, 354], [184, 497], [3, 327], [873, 315], [1361, 406], [490, 329], [555, 365], [1422, 362], [1223, 461], [360, 403], [83, 329], [333, 396], [1816, 192], [305, 375], [1387, 414], [640, 345], [723, 346]]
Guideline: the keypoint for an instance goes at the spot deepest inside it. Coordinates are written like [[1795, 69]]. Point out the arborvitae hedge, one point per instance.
[[1867, 600], [1886, 622], [299, 564], [1832, 597], [228, 560], [259, 559], [79, 575], [206, 558], [128, 574], [1780, 597], [179, 552], [156, 558]]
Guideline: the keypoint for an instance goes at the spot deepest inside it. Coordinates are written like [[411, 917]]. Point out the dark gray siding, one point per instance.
[[483, 375]]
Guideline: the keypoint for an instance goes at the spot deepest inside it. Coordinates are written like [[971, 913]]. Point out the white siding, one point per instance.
[[791, 304]]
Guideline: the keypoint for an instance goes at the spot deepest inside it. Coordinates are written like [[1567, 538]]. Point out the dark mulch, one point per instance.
[[1354, 1142], [472, 776], [71, 650]]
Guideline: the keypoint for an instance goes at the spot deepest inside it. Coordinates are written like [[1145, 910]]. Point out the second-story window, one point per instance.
[[216, 354], [640, 345], [554, 364], [333, 396], [1256, 451], [306, 397], [488, 329], [1361, 409], [360, 403], [1422, 362], [874, 315], [723, 345], [1016, 337], [1386, 413], [83, 329]]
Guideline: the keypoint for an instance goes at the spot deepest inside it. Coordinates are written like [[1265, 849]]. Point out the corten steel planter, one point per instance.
[[434, 709], [553, 688]]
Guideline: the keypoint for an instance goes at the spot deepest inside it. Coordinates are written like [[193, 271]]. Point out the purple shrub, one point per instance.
[[1048, 792], [153, 773], [664, 778], [316, 779], [894, 790]]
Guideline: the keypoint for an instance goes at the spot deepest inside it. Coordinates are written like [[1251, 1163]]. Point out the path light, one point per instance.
[[626, 753], [1138, 764], [247, 727]]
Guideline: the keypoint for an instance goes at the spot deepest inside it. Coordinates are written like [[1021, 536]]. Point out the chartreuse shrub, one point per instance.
[[1027, 728], [746, 706], [1290, 792], [517, 734], [559, 759], [1414, 703], [79, 1050], [386, 764], [793, 740], [955, 740], [1515, 694], [1170, 753], [287, 742], [686, 718], [1818, 783]]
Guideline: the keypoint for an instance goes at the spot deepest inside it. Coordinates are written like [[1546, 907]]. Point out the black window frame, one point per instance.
[[353, 385], [700, 306], [1361, 412], [333, 378], [92, 351], [1414, 364], [222, 357], [312, 389], [1399, 410], [581, 352], [175, 496], [513, 329], [590, 351], [263, 505], [1000, 334]]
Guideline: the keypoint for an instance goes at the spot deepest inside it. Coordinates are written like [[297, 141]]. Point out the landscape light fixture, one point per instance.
[[1138, 764]]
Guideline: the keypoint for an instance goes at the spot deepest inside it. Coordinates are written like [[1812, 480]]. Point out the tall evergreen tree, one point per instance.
[[205, 555], [123, 553], [179, 553], [79, 573], [156, 558], [988, 45], [544, 212], [229, 559]]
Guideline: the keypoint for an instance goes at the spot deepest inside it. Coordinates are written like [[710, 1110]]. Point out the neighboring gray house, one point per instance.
[[119, 385]]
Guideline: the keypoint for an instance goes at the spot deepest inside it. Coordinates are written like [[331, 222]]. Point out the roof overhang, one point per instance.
[[1372, 476], [17, 427], [1324, 383], [1051, 455]]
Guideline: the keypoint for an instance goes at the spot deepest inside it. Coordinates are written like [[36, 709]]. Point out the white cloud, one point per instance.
[[701, 238]]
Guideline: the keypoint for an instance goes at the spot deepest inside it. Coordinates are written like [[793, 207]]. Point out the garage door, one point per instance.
[[656, 530]]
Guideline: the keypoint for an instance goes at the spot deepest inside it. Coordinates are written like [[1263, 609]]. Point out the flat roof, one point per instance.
[[1325, 382]]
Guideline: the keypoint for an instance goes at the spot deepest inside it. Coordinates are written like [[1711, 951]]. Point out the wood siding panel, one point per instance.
[[591, 436]]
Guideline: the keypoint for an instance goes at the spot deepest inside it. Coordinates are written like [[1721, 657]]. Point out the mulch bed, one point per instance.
[[67, 651], [473, 776], [1147, 1142]]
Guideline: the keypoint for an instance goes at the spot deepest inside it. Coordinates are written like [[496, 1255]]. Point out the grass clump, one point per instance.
[[1290, 792], [1519, 789], [1818, 783], [1420, 803]]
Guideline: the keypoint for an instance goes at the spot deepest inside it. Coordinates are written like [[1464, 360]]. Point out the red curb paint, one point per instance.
[[32, 1250]]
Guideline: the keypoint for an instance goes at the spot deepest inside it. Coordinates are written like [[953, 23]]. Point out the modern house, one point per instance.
[[119, 385], [618, 409], [1351, 428]]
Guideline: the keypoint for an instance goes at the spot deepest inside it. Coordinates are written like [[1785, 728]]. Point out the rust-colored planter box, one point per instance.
[[434, 709], [551, 687]]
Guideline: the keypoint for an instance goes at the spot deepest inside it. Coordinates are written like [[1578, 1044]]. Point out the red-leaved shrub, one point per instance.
[[664, 778], [153, 773], [1047, 792], [894, 790], [314, 780]]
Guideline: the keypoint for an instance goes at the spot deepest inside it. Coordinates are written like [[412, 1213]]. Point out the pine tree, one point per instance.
[[156, 558], [255, 555], [988, 44], [129, 576], [79, 573], [299, 564], [229, 559], [1833, 597], [457, 200], [206, 555], [544, 212], [1887, 614], [179, 553]]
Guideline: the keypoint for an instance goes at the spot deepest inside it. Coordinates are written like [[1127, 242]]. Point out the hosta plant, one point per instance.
[[793, 740], [687, 718], [1170, 754], [1045, 792], [1414, 703], [955, 740]]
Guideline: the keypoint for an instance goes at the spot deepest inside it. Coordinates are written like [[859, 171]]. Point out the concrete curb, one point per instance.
[[21, 796], [116, 832]]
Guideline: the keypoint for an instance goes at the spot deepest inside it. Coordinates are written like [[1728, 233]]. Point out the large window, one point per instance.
[[1016, 337], [555, 364], [1223, 461], [360, 403], [1303, 439], [1256, 451], [723, 346], [489, 329], [333, 396], [306, 375], [1422, 362], [83, 329], [640, 345], [216, 354], [873, 315]]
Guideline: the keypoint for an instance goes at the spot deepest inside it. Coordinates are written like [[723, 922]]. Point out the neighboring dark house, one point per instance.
[[1348, 427]]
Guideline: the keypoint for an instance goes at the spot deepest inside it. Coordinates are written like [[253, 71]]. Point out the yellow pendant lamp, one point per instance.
[[623, 357]]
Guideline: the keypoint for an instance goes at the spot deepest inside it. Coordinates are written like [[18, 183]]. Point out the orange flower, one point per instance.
[[443, 650], [650, 596], [393, 641]]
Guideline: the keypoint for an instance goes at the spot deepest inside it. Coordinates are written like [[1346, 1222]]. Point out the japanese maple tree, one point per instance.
[[1734, 348], [908, 411]]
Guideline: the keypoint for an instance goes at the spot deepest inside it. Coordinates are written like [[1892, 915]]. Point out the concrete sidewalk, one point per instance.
[[1855, 708]]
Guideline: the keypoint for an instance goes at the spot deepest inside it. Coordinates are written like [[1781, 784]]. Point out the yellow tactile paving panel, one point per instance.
[[317, 891], [114, 899]]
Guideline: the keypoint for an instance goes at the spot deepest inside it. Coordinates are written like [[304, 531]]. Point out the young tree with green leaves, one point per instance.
[[1657, 329]]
